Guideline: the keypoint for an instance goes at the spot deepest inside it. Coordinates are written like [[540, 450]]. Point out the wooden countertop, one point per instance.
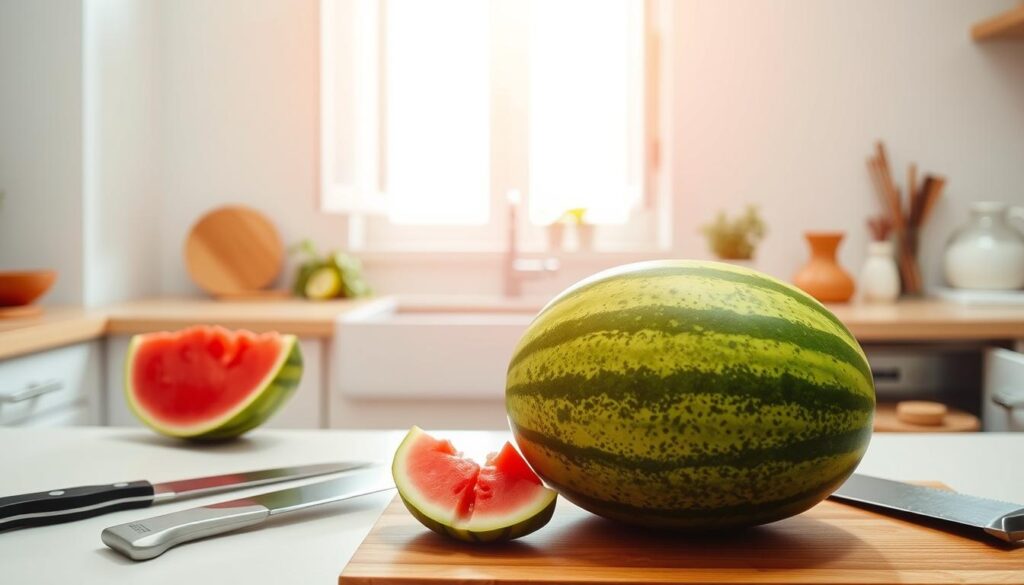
[[295, 316], [59, 326], [931, 320], [912, 320]]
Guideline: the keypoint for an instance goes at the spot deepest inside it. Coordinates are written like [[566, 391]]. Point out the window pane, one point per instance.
[[585, 109], [438, 111]]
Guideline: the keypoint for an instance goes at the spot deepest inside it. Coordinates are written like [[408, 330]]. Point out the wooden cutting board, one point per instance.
[[233, 251], [955, 421], [831, 543]]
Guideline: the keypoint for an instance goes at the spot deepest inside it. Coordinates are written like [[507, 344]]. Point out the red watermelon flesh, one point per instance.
[[197, 380], [505, 483], [453, 495], [441, 475]]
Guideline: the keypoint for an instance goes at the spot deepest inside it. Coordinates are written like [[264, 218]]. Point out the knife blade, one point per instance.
[[151, 537], [67, 504], [1002, 520]]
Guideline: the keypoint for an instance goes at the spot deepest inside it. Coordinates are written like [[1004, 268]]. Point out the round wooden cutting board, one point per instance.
[[233, 250]]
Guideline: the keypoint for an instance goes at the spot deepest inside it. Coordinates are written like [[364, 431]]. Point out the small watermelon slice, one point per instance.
[[455, 496], [209, 383]]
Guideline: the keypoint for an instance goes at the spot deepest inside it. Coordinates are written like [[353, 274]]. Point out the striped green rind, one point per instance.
[[702, 519], [514, 530], [275, 390], [691, 395]]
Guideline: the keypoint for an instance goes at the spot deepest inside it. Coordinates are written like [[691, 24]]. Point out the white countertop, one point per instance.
[[313, 546]]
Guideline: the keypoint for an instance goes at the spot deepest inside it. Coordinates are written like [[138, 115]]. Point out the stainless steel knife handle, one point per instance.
[[152, 537], [1009, 527]]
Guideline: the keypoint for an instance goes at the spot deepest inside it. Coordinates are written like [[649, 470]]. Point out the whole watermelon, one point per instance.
[[690, 395]]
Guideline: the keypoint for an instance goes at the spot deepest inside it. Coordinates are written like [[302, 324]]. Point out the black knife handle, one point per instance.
[[65, 505]]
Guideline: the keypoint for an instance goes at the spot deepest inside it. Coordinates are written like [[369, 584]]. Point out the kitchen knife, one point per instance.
[[145, 539], [65, 505], [1003, 520]]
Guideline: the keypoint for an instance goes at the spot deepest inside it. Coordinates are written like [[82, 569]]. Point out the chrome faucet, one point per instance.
[[517, 269]]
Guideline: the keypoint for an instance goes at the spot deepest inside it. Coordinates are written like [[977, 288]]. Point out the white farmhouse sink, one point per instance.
[[394, 349]]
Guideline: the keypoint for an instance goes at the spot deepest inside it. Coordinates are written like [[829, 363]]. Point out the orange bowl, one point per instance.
[[24, 286]]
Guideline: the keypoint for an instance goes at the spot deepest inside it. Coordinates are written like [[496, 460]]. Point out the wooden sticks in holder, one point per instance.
[[908, 221]]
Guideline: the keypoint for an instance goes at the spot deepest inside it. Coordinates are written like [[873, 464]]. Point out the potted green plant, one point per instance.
[[735, 239]]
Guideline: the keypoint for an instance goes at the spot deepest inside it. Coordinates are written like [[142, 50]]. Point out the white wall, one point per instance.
[[777, 103], [239, 119], [41, 141], [77, 146], [122, 191]]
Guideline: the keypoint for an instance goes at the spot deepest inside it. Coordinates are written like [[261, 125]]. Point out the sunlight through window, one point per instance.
[[436, 109], [437, 75], [585, 115]]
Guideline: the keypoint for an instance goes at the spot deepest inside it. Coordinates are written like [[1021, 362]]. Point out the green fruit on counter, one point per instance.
[[324, 283], [690, 395], [347, 280]]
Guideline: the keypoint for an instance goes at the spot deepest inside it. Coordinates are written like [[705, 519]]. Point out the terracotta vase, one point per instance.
[[822, 277]]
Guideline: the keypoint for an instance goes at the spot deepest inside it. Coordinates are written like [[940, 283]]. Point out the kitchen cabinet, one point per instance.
[[1002, 407], [57, 387], [302, 411], [77, 415]]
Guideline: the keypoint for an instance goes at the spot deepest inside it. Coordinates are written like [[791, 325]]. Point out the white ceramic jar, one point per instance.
[[988, 252], [879, 280]]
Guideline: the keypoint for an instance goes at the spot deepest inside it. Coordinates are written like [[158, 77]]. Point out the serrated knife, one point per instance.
[[1002, 520], [67, 504], [149, 538]]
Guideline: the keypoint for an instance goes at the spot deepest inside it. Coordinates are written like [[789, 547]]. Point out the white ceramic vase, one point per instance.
[[879, 278], [987, 253]]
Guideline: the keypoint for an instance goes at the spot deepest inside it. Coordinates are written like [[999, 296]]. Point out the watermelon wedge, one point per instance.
[[455, 496], [209, 383]]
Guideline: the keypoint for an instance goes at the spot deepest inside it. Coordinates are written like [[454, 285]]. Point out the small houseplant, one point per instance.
[[735, 239]]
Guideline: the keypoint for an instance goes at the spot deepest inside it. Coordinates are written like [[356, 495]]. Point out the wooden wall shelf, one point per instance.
[[1007, 25]]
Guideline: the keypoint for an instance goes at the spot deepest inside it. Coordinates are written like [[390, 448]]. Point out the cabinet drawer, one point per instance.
[[1002, 407], [41, 383], [77, 414]]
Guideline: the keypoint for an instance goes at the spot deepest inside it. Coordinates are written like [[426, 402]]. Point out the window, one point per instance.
[[584, 146], [437, 107], [434, 111]]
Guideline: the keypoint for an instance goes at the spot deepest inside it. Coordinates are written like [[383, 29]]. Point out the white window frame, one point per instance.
[[363, 198]]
